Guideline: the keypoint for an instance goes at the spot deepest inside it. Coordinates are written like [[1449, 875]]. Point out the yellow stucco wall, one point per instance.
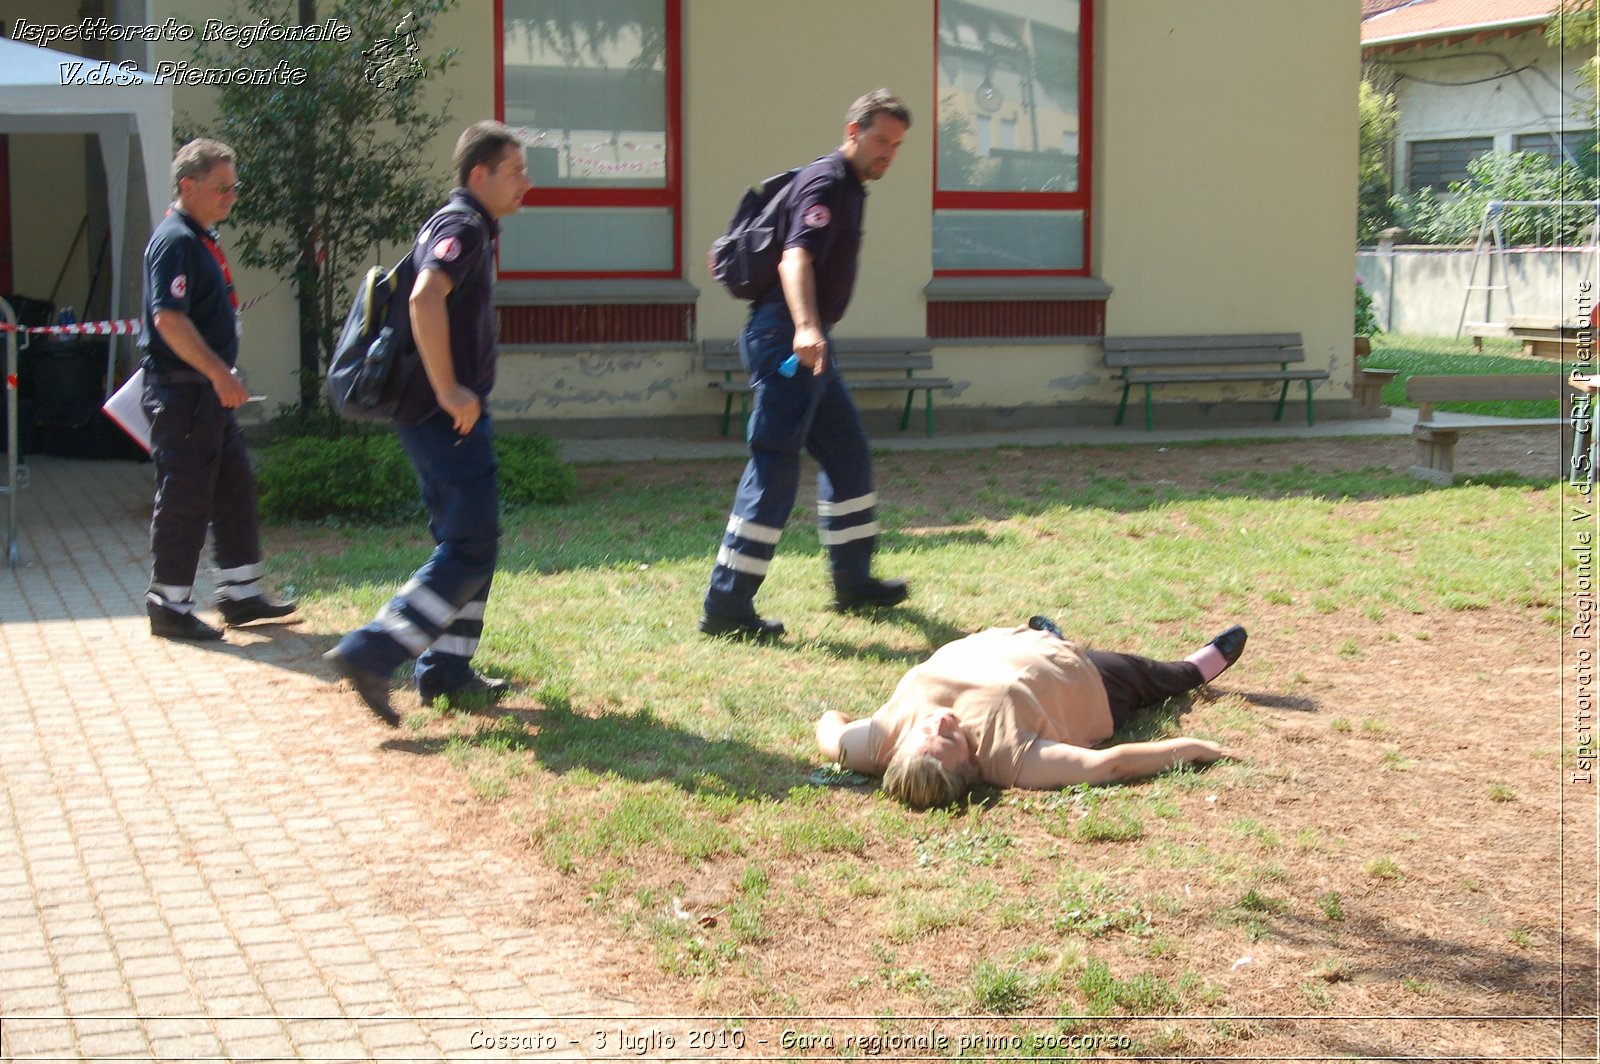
[[1225, 162], [1224, 139]]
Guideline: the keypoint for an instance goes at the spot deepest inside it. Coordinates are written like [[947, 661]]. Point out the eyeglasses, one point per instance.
[[229, 189]]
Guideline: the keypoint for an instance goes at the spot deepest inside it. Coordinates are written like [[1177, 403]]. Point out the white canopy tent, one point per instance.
[[45, 91]]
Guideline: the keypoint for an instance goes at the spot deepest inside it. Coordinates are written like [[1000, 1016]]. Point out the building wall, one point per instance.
[[1497, 89], [1224, 141]]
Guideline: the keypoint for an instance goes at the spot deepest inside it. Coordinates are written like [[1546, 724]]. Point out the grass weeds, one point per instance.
[[640, 756]]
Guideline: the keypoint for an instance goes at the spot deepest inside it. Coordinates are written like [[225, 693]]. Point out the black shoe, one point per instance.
[[170, 624], [371, 687], [236, 612], [1231, 643], [872, 595], [1040, 623], [488, 688], [760, 629]]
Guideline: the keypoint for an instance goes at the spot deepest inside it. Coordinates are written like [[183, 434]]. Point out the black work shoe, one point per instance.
[[170, 624], [760, 629], [371, 687], [1231, 643], [1040, 623], [477, 686], [874, 594], [236, 612]]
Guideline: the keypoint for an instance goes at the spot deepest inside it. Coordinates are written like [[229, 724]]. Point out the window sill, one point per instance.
[[521, 293], [1014, 289]]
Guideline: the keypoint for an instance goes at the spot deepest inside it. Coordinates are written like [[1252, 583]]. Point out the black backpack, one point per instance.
[[744, 260], [375, 359]]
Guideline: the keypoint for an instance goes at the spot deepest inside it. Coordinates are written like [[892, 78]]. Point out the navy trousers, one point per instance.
[[789, 414], [203, 481], [437, 617]]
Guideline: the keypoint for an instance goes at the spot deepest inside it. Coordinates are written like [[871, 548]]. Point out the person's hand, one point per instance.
[[811, 347], [1204, 752], [463, 406], [231, 392]]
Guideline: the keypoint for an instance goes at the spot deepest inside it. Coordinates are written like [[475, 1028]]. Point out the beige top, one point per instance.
[[1009, 687]]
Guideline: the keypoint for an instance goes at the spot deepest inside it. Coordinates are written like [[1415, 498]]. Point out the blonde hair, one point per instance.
[[921, 782]]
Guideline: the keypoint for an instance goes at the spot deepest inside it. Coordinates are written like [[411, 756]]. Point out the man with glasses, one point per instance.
[[191, 343]]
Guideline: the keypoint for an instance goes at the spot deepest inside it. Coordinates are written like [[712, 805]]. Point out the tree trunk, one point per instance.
[[307, 275]]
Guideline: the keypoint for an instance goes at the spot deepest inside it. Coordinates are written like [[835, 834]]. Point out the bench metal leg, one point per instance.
[[727, 411], [1311, 413], [1149, 414], [929, 393], [905, 415], [1122, 407], [1283, 394]]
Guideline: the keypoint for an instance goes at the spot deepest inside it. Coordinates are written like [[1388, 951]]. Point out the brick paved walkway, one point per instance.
[[202, 855]]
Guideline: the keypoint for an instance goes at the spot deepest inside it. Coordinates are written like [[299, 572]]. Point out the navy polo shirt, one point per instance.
[[823, 215], [181, 274], [462, 250]]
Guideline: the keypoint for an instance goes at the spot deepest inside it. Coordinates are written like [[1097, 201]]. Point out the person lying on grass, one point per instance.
[[1021, 707]]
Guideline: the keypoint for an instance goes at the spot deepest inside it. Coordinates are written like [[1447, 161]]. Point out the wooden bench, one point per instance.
[[1546, 337], [1436, 442], [1152, 360], [906, 357]]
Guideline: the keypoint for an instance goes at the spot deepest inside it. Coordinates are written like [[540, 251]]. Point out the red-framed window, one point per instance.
[[596, 87], [1012, 83]]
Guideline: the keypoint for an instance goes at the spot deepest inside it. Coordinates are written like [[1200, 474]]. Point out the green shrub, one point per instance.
[[366, 478], [531, 470]]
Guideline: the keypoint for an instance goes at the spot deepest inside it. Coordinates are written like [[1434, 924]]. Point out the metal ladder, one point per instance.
[[1490, 226]]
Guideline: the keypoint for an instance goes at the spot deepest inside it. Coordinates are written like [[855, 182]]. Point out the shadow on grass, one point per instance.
[[1378, 954], [935, 634], [1275, 701], [638, 747]]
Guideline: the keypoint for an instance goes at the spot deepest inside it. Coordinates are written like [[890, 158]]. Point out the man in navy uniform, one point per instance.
[[191, 343], [444, 426], [812, 409]]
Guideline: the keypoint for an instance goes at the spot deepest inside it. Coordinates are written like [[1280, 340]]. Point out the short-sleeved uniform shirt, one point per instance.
[[823, 215], [1009, 688], [182, 274], [457, 246]]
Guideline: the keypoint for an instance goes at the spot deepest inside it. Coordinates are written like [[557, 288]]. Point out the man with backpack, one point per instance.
[[443, 424], [805, 404]]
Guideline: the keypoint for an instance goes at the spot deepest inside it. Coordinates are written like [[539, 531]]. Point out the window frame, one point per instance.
[[668, 197], [1081, 199], [1441, 185]]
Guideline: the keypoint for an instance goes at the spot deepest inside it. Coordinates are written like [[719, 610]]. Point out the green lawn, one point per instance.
[[660, 772], [1426, 356]]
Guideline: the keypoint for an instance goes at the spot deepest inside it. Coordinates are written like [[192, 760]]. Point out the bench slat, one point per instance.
[[1227, 376], [869, 384], [1201, 343], [1208, 357], [1484, 387]]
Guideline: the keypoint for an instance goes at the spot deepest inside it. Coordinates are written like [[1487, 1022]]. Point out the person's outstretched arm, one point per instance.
[[1048, 765]]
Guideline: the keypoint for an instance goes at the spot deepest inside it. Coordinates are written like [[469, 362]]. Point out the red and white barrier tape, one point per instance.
[[126, 327]]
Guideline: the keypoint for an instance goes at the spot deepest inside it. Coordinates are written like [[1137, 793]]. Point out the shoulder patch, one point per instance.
[[816, 216], [446, 249], [180, 285]]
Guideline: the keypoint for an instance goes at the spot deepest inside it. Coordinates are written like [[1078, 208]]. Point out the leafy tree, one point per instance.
[[334, 166], [1577, 23], [1432, 219], [1378, 117]]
